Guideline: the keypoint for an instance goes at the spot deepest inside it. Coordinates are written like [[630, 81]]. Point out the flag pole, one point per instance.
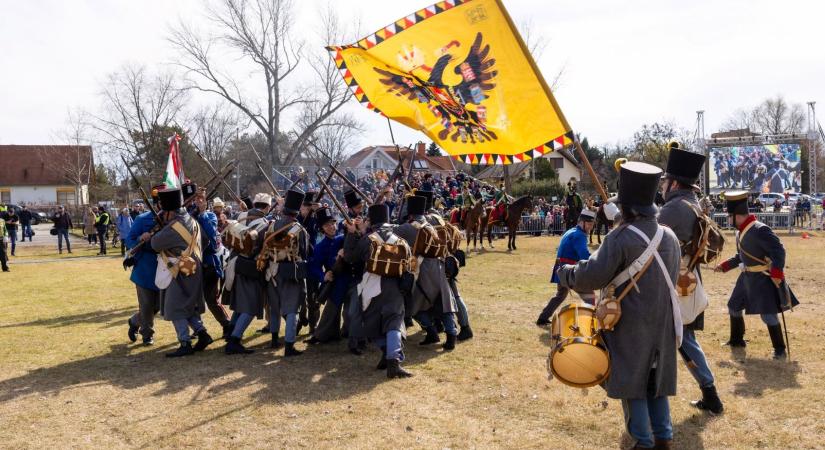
[[534, 66]]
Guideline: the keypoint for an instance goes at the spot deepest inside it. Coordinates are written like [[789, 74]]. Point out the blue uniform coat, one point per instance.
[[146, 260], [572, 249]]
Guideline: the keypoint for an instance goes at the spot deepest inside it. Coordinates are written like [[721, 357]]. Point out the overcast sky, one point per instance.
[[625, 63]]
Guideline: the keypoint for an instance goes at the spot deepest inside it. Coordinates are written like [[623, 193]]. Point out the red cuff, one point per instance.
[[725, 266], [777, 273]]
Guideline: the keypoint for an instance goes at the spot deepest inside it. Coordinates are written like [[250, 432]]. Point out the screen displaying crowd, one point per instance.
[[758, 168]]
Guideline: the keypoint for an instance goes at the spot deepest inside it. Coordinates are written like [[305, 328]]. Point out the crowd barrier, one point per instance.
[[536, 226]]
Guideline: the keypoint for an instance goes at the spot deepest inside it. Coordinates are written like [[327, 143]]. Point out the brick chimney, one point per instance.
[[421, 149]]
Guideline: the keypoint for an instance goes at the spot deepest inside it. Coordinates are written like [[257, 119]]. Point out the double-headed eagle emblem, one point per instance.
[[460, 107]]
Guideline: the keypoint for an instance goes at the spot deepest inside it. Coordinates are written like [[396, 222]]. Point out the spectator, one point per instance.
[[62, 223], [777, 205], [3, 234], [25, 224], [12, 220], [124, 224], [136, 210], [89, 220], [102, 225]]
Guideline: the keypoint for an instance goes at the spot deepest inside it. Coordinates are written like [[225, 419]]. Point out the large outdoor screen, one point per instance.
[[758, 168]]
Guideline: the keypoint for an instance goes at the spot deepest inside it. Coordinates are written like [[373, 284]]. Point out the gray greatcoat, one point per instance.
[[183, 298], [248, 289], [680, 218], [645, 337], [431, 287], [754, 291], [286, 288], [386, 311]]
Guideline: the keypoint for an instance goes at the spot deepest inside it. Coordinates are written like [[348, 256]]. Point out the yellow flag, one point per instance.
[[459, 72]]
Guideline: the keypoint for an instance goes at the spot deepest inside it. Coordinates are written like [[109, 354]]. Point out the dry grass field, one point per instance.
[[69, 377]]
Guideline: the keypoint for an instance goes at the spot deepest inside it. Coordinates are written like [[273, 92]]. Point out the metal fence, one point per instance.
[[537, 226]]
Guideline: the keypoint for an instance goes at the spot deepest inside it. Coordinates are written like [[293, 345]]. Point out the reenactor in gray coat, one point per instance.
[[381, 300], [179, 245], [643, 343], [761, 287], [432, 295], [680, 213], [244, 281], [285, 250]]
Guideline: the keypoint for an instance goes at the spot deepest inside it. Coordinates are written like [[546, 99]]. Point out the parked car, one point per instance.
[[768, 198], [37, 217]]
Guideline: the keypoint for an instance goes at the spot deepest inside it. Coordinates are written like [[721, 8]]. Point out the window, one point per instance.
[[65, 196], [558, 163], [421, 164], [5, 196], [375, 163]]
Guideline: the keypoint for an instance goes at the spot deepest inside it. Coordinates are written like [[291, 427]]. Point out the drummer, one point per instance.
[[572, 249], [643, 343]]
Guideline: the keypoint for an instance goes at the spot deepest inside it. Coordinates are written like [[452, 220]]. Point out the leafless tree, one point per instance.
[[139, 110], [76, 164], [261, 34], [212, 129], [333, 142], [772, 116], [537, 43]]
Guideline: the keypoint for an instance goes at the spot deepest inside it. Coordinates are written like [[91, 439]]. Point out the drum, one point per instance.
[[579, 357]]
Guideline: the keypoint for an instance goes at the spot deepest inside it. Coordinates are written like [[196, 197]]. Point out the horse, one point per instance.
[[601, 219], [472, 224], [514, 211]]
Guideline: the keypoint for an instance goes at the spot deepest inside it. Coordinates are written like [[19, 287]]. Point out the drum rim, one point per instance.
[[576, 305], [581, 340]]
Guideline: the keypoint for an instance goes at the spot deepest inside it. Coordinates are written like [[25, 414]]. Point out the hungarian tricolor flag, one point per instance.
[[174, 169]]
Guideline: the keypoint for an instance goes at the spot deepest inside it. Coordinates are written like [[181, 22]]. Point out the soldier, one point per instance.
[[178, 244], [245, 282], [4, 234], [143, 274], [431, 295], [355, 343], [643, 343], [212, 267], [285, 246], [761, 287], [572, 249], [451, 268], [326, 264], [310, 309], [381, 300], [680, 213]]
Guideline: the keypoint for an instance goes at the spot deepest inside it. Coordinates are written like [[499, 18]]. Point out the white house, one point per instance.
[[45, 174], [565, 165]]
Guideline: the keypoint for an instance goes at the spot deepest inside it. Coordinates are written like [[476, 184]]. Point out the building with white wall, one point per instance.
[[45, 175]]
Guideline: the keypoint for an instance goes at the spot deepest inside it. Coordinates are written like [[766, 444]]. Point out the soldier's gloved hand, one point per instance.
[[777, 276], [328, 276], [721, 267]]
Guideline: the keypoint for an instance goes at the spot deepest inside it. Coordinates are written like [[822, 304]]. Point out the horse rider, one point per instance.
[[643, 343], [680, 213], [761, 287], [572, 249], [179, 245]]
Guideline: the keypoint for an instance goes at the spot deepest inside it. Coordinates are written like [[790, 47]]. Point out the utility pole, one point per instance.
[[813, 137]]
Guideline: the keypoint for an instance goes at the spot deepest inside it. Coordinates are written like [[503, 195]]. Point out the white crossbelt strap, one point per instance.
[[637, 265], [674, 298]]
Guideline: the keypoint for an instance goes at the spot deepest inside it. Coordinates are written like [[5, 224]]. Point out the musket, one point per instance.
[[129, 260], [324, 188], [263, 172], [352, 186], [334, 200], [300, 175], [229, 168], [786, 292], [216, 173]]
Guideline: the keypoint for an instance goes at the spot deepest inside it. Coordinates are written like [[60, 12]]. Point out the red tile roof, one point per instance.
[[39, 165], [436, 163]]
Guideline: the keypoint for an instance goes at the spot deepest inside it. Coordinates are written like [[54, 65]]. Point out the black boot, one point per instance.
[[382, 363], [778, 341], [431, 338], [394, 369], [439, 326], [185, 349], [132, 333], [204, 339], [450, 343], [227, 330], [465, 333], [710, 401], [737, 332], [290, 350], [275, 343], [408, 322], [234, 347]]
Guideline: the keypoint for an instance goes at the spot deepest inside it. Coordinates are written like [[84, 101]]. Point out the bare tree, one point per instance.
[[212, 129], [334, 142], [261, 33], [537, 43], [139, 112], [772, 116], [742, 119], [75, 164]]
